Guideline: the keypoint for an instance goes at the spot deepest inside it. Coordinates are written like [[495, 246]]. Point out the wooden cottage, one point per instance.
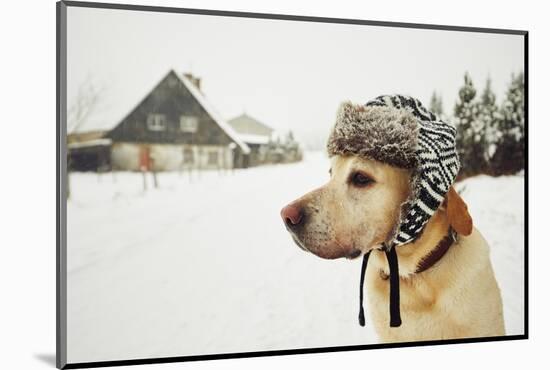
[[174, 127]]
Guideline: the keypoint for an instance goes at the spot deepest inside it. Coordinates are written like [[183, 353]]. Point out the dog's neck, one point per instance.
[[410, 255]]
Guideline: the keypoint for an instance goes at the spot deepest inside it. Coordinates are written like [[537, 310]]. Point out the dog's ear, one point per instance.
[[457, 213]]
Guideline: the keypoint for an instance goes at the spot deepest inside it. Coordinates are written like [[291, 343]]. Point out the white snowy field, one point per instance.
[[206, 266]]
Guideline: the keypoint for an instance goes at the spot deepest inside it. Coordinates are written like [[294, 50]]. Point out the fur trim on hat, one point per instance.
[[385, 134], [399, 131]]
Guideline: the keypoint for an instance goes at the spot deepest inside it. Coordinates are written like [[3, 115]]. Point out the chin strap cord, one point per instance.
[[395, 314], [395, 311], [361, 284]]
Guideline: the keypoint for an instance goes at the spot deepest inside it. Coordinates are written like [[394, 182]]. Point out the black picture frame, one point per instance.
[[61, 186]]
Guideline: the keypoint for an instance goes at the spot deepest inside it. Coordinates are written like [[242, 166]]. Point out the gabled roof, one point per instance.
[[212, 113], [246, 125]]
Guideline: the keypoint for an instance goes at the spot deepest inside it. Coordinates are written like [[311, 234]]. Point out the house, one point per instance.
[[256, 135], [175, 126], [266, 145], [172, 127]]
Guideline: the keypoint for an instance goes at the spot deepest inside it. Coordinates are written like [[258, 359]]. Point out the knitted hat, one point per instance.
[[399, 131]]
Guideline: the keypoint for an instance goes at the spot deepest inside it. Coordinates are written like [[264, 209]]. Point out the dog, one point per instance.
[[457, 296]]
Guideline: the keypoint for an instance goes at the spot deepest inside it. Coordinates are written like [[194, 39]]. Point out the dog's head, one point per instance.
[[354, 212], [358, 209]]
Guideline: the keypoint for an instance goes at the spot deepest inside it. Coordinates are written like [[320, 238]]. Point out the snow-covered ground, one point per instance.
[[206, 266]]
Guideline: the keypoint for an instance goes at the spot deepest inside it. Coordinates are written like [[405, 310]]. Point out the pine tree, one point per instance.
[[470, 132], [509, 156], [489, 118], [436, 104], [290, 137]]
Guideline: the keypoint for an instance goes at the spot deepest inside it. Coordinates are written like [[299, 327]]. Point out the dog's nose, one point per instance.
[[292, 215]]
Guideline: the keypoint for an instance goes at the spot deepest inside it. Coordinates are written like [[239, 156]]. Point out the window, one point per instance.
[[156, 122], [212, 158], [189, 124], [188, 156]]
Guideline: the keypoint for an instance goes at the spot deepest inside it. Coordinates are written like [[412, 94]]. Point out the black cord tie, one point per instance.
[[361, 283], [395, 314], [395, 311]]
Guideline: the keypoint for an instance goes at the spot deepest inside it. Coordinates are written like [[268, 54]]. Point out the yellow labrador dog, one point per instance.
[[456, 296]]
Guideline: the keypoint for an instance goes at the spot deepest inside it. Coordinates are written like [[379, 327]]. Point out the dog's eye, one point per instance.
[[360, 179]]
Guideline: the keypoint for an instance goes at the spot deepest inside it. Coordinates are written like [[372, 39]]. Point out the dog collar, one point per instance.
[[433, 256], [437, 253]]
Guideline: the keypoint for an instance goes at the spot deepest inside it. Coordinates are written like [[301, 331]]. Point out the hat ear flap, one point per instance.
[[457, 213]]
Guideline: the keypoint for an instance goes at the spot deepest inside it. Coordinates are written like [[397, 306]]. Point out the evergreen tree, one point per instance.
[[489, 118], [436, 104], [470, 132], [290, 137], [509, 156]]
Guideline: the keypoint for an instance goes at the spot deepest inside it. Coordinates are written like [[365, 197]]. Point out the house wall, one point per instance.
[[170, 157], [125, 157], [257, 154]]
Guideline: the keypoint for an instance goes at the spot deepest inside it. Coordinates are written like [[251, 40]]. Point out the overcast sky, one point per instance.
[[287, 74]]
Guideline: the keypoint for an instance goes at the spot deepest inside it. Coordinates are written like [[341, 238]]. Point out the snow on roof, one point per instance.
[[90, 143], [254, 139], [212, 112]]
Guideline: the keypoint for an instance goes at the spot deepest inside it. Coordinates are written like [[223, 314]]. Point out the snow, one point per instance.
[[90, 143], [254, 139], [203, 264]]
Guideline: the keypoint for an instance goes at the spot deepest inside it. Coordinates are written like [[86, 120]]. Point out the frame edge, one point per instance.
[[61, 199], [288, 17], [61, 188]]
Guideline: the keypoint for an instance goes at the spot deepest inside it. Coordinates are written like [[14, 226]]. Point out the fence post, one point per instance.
[[143, 170]]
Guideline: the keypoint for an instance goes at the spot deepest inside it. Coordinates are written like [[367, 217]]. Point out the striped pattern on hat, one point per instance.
[[430, 150]]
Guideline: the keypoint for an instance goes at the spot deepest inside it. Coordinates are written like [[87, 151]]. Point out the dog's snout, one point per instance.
[[292, 215]]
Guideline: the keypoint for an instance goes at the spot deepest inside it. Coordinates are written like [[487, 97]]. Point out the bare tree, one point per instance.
[[79, 112], [85, 103]]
